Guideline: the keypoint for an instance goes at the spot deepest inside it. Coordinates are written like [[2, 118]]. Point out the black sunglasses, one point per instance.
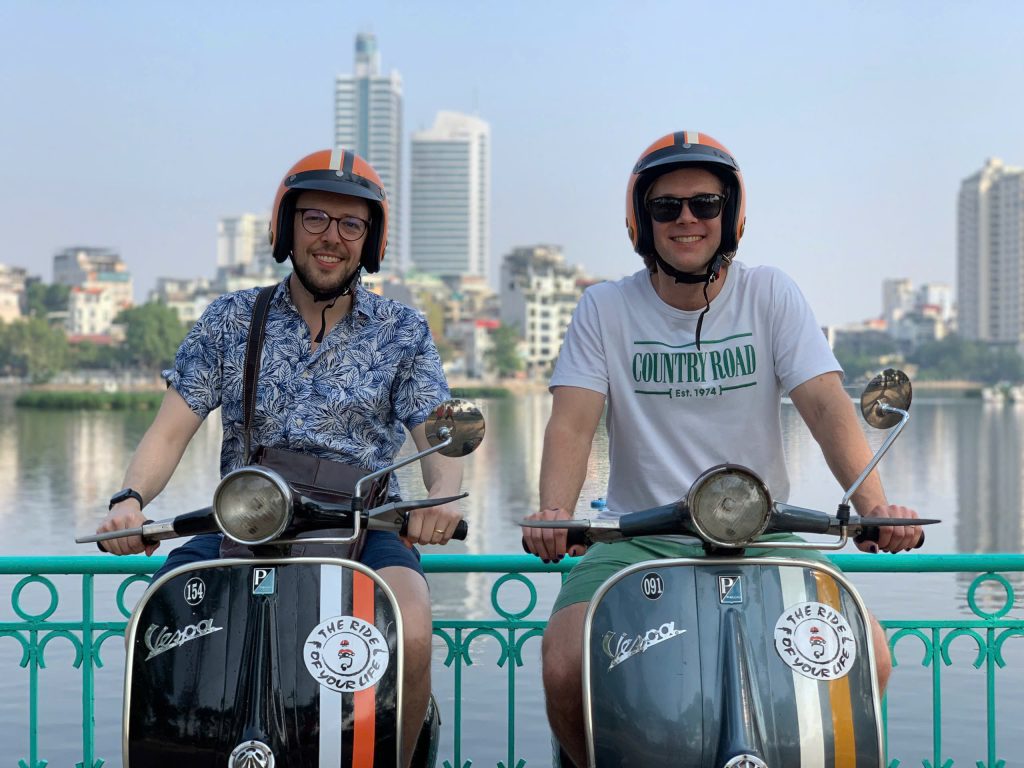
[[665, 209]]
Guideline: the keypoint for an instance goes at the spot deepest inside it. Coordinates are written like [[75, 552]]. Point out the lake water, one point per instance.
[[959, 460]]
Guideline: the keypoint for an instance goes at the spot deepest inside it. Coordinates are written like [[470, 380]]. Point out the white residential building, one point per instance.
[[916, 315], [539, 292], [368, 120], [188, 297], [91, 312], [101, 286], [990, 255], [897, 298], [449, 203], [12, 293]]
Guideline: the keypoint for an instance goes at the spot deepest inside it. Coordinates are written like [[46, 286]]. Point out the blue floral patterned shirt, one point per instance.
[[375, 371]]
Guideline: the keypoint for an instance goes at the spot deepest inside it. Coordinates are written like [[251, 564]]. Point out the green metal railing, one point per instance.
[[34, 629]]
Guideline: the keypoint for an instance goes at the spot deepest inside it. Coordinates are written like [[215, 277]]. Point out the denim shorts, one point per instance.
[[382, 549]]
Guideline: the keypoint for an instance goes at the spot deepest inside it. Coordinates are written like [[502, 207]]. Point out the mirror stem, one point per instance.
[[357, 496], [904, 416]]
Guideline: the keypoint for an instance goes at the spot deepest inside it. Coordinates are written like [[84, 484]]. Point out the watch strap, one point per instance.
[[124, 495]]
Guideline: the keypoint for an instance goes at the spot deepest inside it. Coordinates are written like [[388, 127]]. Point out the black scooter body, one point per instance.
[[290, 662]]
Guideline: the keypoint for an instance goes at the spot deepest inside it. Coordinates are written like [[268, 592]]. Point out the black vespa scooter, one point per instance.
[[274, 660], [729, 661]]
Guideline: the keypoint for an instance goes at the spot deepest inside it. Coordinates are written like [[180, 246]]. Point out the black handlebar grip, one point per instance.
[[461, 530], [576, 537], [573, 537], [871, 534]]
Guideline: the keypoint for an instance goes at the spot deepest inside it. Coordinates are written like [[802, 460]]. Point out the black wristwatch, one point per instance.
[[123, 495]]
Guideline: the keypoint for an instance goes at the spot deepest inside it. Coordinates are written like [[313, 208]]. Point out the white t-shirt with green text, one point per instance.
[[674, 412]]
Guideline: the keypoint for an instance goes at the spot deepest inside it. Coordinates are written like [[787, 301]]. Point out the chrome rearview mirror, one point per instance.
[[890, 388], [459, 420], [885, 405]]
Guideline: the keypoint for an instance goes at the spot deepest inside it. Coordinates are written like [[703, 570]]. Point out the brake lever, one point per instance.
[[153, 531], [394, 515]]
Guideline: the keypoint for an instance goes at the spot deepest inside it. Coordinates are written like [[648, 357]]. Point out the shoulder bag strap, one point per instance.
[[253, 351]]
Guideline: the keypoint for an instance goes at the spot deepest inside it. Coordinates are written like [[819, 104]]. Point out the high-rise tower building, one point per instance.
[[368, 120], [449, 201], [242, 242], [990, 255]]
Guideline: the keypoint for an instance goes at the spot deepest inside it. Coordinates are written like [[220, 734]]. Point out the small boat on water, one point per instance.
[[993, 394], [1003, 393]]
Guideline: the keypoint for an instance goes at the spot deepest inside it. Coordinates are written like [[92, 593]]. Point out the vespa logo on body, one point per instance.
[[816, 641], [161, 639], [730, 590], [195, 591], [264, 581], [346, 654], [620, 647]]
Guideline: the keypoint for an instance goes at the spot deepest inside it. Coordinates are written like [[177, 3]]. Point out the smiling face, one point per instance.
[[325, 261], [687, 243]]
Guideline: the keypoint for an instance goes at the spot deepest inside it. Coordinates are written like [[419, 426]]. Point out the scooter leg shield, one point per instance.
[[247, 662], [701, 662]]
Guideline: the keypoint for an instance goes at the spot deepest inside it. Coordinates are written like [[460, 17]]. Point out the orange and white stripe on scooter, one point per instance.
[[353, 733]]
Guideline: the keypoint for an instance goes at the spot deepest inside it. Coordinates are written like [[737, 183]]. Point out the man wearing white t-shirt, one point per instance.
[[692, 356]]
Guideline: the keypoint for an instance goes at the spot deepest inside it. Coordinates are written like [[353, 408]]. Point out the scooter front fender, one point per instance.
[[697, 662], [243, 662]]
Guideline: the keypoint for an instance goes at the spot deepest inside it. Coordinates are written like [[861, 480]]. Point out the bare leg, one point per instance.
[[414, 602], [883, 659], [562, 656]]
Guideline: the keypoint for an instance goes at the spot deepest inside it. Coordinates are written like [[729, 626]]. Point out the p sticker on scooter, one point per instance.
[[264, 581], [730, 590], [816, 641], [346, 654]]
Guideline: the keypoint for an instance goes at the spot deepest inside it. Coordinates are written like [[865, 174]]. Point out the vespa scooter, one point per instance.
[[729, 661], [275, 660]]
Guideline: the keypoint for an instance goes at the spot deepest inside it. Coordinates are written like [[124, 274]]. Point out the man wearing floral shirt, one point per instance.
[[342, 372]]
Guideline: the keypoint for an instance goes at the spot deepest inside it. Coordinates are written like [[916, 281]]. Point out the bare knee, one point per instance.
[[562, 654], [417, 623]]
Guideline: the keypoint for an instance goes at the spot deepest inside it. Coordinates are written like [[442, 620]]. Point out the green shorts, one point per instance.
[[602, 560]]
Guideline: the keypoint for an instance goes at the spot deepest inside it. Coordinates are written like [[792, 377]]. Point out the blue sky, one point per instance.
[[137, 125]]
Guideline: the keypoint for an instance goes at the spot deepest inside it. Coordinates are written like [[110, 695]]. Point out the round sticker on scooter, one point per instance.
[[346, 654], [652, 585], [195, 591], [816, 641]]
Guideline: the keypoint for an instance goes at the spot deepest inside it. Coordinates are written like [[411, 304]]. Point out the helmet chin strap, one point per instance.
[[712, 272], [326, 296]]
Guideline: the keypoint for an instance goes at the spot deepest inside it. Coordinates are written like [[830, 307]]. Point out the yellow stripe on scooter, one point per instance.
[[839, 688]]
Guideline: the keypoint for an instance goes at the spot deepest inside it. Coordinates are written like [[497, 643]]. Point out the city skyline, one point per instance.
[[139, 128]]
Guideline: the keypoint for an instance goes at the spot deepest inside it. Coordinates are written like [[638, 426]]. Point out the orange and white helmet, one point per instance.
[[343, 172], [681, 150]]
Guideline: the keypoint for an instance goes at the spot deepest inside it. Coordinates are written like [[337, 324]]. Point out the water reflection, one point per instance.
[[988, 462], [957, 460]]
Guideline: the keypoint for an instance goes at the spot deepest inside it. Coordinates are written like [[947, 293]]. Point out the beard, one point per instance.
[[324, 288]]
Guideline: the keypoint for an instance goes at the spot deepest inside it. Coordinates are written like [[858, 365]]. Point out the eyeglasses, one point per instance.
[[316, 222], [665, 209]]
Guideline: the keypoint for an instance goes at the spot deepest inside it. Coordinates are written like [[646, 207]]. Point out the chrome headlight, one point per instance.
[[730, 505], [252, 505]]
